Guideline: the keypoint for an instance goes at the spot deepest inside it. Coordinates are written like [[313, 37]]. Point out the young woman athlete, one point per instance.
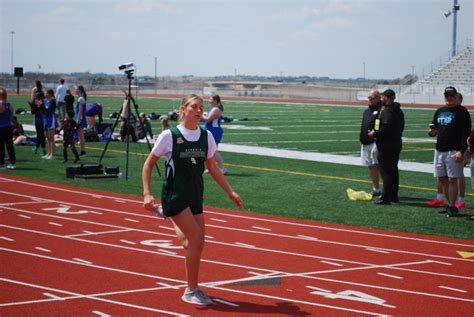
[[187, 149]]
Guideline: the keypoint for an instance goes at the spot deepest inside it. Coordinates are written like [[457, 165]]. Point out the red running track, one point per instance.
[[78, 252]]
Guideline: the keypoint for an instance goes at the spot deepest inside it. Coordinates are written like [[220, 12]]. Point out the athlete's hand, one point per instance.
[[236, 199], [149, 202]]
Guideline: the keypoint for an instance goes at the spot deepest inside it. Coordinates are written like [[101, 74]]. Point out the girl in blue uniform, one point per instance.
[[187, 149], [213, 124], [50, 122], [81, 119]]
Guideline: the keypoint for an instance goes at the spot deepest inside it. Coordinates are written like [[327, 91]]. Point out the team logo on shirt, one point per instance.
[[446, 118], [193, 160], [179, 140]]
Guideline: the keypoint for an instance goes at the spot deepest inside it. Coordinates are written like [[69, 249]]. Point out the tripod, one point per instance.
[[128, 125]]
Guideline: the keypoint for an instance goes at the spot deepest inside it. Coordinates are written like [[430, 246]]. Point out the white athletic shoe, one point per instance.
[[196, 296]]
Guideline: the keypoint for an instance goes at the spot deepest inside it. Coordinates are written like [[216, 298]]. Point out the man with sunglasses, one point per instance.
[[368, 151], [451, 125]]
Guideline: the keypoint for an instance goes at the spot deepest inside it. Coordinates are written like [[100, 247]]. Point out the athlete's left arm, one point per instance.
[[222, 182], [215, 113]]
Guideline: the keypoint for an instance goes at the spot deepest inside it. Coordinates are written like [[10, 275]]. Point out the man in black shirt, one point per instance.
[[388, 135], [368, 151], [451, 125]]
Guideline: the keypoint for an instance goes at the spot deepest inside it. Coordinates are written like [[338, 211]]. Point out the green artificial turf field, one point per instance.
[[279, 186]]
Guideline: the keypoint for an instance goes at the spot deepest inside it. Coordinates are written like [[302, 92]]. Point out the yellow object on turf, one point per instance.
[[360, 195]]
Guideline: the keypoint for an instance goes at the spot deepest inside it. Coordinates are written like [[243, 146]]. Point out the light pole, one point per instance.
[[12, 33], [454, 11]]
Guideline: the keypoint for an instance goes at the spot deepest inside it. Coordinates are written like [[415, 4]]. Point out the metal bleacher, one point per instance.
[[457, 71]]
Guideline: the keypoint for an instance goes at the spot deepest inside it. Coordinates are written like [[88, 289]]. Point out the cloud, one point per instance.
[[145, 6]]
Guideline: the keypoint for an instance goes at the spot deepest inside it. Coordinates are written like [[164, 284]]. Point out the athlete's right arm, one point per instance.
[[148, 199]]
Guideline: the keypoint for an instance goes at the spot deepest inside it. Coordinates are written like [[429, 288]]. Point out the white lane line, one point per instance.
[[443, 263], [286, 222], [95, 212], [93, 297], [167, 228], [218, 220], [167, 252], [318, 289], [225, 302], [55, 297], [168, 285], [127, 242], [55, 224], [208, 237], [221, 243], [6, 238], [377, 250], [307, 237], [221, 288], [331, 263], [82, 261], [101, 314], [97, 196], [42, 249], [132, 220], [97, 233], [24, 216], [261, 228], [244, 245], [453, 289], [391, 276], [120, 201]]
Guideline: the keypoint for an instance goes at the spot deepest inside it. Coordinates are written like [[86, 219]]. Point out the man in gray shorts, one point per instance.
[[368, 150], [451, 125]]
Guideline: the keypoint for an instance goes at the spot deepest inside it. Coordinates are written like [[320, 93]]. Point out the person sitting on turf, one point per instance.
[[19, 136], [92, 110], [143, 127]]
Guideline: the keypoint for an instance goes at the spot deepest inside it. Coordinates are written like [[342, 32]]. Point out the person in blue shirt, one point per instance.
[[212, 124], [6, 131]]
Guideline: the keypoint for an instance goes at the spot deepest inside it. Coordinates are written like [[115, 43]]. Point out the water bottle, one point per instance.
[[159, 211]]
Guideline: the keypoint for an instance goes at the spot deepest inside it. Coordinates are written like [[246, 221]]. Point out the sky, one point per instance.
[[334, 38]]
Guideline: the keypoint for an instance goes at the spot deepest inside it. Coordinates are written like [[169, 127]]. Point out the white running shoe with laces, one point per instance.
[[196, 296]]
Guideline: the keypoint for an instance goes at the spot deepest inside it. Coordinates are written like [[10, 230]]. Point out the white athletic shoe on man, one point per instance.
[[196, 296]]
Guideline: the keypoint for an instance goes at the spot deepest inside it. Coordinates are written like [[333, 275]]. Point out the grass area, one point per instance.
[[277, 186]]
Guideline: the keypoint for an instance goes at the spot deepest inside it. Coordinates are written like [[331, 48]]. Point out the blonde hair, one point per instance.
[[186, 102]]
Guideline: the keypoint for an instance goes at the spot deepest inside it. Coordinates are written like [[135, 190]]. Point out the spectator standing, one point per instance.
[[187, 148], [388, 130], [69, 128], [50, 122], [37, 95], [81, 116], [451, 126], [213, 124], [60, 94], [6, 131], [69, 101], [439, 200], [368, 151]]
